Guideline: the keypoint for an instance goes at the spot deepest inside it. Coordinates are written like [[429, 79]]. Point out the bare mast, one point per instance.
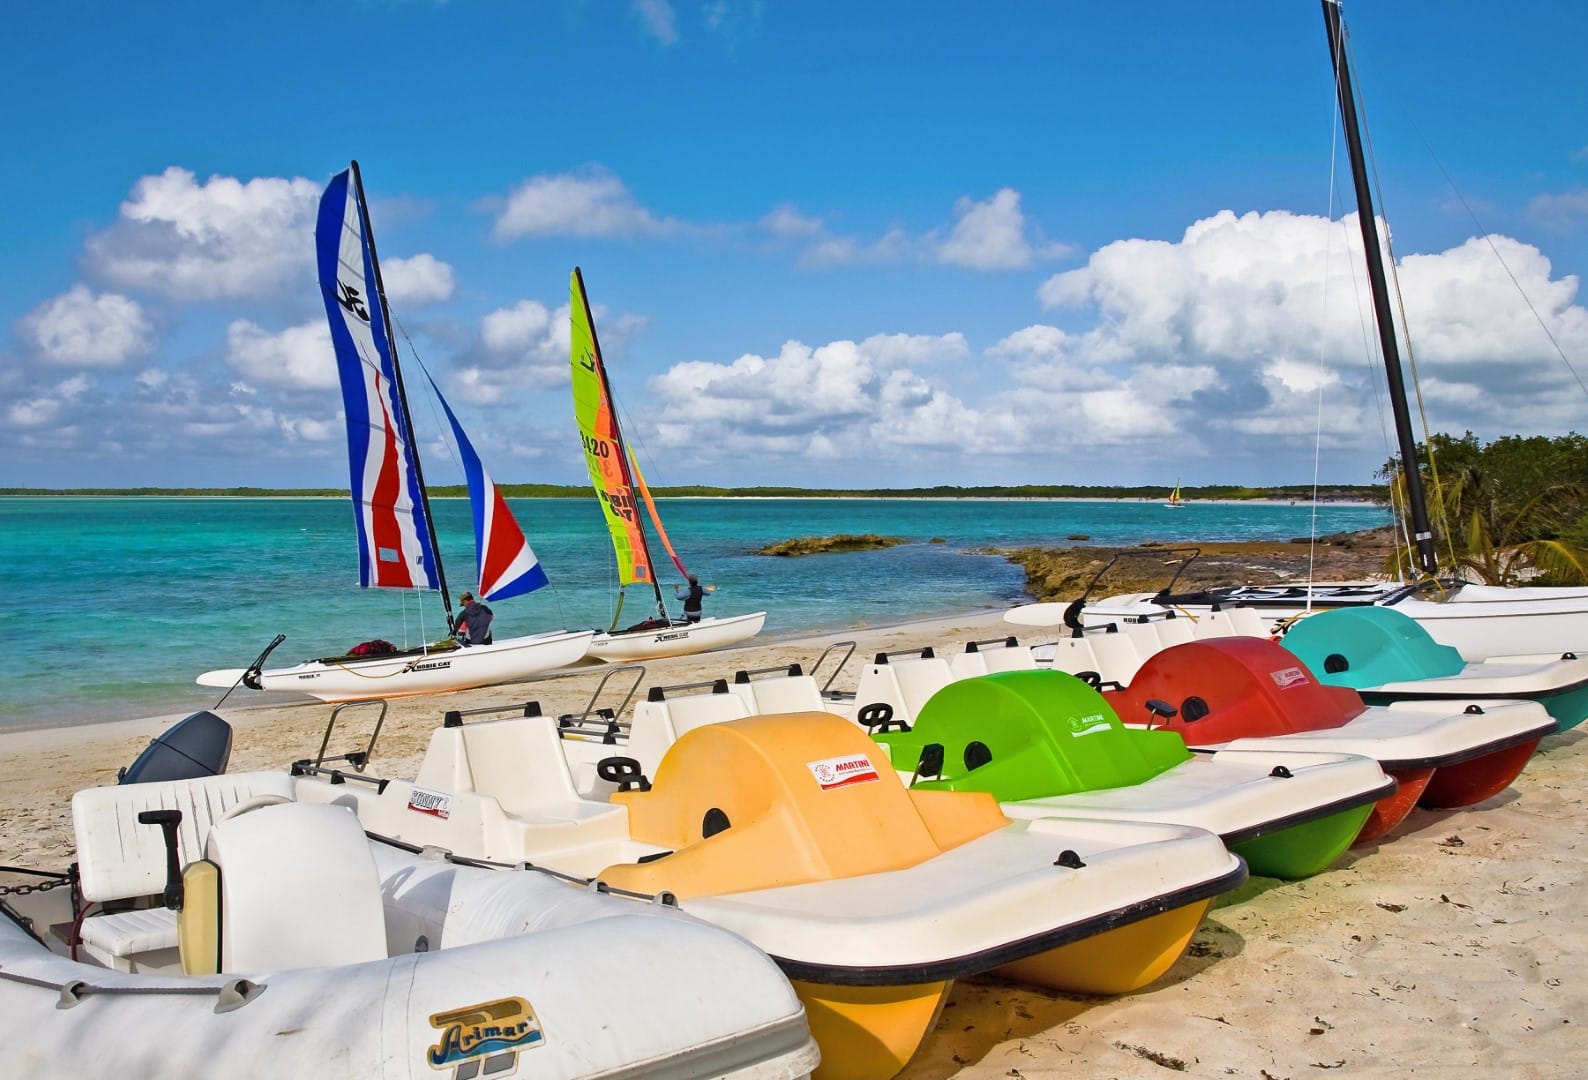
[[1422, 532]]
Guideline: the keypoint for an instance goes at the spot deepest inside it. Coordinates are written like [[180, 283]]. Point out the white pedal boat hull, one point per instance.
[[1503, 677], [419, 672], [994, 900], [1233, 793], [1419, 734]]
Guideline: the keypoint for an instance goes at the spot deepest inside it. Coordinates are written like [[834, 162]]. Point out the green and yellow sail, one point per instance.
[[603, 443]]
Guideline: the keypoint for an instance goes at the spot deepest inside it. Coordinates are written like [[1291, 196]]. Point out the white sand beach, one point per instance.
[[1448, 948]]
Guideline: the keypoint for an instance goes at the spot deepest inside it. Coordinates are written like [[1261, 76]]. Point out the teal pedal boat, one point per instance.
[[1387, 656], [1046, 744]]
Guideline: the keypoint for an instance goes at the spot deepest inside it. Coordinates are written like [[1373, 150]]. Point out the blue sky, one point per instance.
[[828, 244]]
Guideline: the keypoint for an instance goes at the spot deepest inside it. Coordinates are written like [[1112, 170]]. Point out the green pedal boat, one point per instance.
[[1046, 744]]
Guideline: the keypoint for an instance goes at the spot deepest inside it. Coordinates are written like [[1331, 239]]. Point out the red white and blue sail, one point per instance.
[[393, 535], [502, 556]]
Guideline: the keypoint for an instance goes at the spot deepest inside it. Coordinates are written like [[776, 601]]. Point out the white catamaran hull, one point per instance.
[[680, 639], [423, 672], [1481, 621]]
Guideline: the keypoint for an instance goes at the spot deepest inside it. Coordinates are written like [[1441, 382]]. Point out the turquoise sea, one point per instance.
[[117, 603]]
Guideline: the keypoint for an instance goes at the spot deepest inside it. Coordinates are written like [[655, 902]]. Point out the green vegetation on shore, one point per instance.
[[1507, 512], [1297, 492]]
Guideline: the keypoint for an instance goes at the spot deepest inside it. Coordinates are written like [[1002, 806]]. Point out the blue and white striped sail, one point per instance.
[[393, 535], [504, 562]]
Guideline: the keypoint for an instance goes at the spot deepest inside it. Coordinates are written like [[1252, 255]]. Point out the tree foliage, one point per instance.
[[1511, 511]]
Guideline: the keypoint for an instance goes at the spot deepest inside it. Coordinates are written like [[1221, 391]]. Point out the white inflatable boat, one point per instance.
[[303, 949]]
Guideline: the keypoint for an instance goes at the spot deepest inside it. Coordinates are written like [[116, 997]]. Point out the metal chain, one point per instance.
[[24, 890], [59, 879]]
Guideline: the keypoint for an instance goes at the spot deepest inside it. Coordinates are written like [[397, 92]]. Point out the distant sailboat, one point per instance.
[[397, 545], [621, 488], [1175, 502]]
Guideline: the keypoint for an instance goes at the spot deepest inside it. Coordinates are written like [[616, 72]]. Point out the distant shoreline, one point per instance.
[[883, 495]]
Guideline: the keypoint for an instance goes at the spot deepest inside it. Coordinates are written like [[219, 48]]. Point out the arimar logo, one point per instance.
[[491, 1034]]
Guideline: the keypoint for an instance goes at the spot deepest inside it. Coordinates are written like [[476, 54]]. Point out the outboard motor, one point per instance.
[[197, 746]]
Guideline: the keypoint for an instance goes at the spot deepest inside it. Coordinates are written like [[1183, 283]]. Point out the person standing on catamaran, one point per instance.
[[692, 599], [474, 621]]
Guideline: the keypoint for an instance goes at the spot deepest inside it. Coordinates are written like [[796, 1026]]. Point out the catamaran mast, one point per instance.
[[402, 398], [1422, 533], [622, 449]]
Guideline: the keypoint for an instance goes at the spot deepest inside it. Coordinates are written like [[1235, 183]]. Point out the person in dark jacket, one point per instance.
[[692, 598], [474, 621]]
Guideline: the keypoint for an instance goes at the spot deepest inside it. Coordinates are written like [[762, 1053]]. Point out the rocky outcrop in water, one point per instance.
[[816, 545], [1060, 573]]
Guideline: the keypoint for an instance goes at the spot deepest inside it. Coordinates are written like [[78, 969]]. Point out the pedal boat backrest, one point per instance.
[[790, 692], [1369, 646], [1174, 629], [785, 799], [280, 887], [987, 658], [1248, 621], [668, 713], [1233, 688], [507, 788], [1216, 623], [904, 684], [1031, 734], [517, 761], [1118, 655], [1074, 655]]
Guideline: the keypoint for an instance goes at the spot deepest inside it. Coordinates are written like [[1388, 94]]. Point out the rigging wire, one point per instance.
[[1404, 329], [1370, 344], [1323, 348], [442, 426], [1488, 238], [1400, 514]]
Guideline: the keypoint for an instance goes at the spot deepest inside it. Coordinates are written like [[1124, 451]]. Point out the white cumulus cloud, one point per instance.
[[421, 279], [523, 345], [297, 358], [843, 400], [225, 238], [591, 203], [1275, 306], [81, 328], [988, 235]]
